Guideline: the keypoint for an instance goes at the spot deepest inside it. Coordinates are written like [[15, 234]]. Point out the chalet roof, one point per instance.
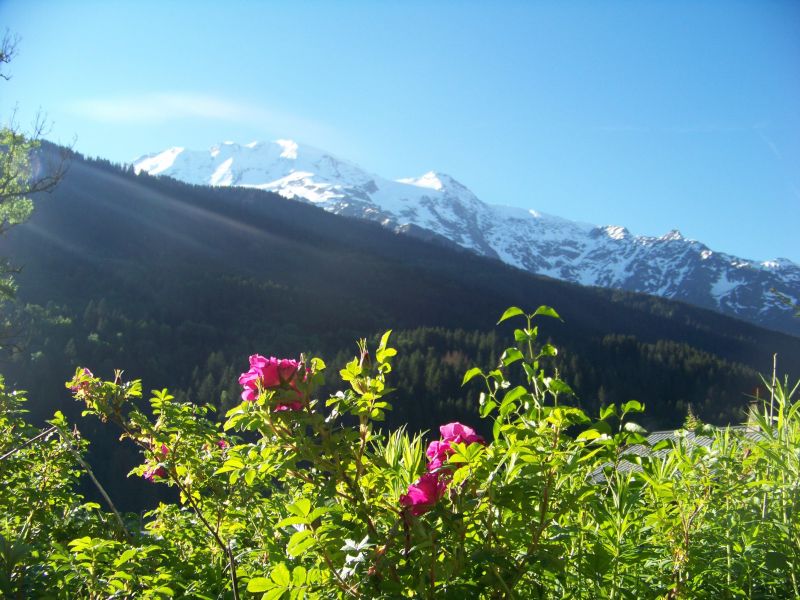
[[674, 436]]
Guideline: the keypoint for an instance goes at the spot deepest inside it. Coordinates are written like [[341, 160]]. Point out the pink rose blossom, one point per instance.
[[161, 453], [271, 374], [452, 433], [151, 474], [424, 493], [288, 406], [457, 433], [223, 444], [84, 385], [437, 454]]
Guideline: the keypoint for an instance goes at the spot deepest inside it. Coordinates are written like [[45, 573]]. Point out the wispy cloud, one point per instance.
[[761, 131], [161, 107], [691, 129]]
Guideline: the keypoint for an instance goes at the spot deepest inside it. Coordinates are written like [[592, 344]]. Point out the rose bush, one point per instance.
[[299, 496]]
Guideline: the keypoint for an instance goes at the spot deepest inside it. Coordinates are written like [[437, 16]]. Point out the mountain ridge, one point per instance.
[[610, 256]]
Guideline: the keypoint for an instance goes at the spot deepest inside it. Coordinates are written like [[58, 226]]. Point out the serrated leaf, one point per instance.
[[588, 435], [299, 542], [298, 576], [289, 521], [473, 372], [546, 311], [634, 428], [510, 356], [512, 311], [260, 584], [280, 575], [125, 557], [633, 406], [301, 508], [608, 411]]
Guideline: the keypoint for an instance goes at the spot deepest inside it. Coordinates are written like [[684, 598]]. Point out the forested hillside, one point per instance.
[[178, 284]]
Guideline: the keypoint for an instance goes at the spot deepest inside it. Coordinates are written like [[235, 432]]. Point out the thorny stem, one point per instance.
[[225, 547], [101, 489], [341, 583], [28, 442]]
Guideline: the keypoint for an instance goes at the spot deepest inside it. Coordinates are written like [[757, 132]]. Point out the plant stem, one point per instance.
[[28, 442], [66, 437]]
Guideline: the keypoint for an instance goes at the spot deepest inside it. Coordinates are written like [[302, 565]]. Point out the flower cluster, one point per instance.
[[426, 491], [158, 470], [81, 382], [272, 374], [453, 433]]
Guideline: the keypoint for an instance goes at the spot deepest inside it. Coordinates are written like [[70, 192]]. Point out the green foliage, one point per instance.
[[313, 499]]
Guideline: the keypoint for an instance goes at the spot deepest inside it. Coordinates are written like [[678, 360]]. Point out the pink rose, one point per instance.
[[271, 374], [151, 474], [161, 453], [460, 434], [452, 433], [223, 444], [437, 454], [423, 494], [84, 385], [288, 406]]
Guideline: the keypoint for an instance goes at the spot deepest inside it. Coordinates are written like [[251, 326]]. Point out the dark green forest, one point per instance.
[[178, 284]]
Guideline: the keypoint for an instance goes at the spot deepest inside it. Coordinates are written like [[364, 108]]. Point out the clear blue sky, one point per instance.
[[651, 115]]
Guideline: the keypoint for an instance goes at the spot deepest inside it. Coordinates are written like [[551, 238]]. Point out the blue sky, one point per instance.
[[651, 115]]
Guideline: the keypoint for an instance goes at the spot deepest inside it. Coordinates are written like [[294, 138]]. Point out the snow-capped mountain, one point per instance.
[[436, 204]]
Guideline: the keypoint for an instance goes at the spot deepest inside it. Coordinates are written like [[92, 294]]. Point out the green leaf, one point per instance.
[[608, 411], [510, 312], [487, 407], [291, 521], [631, 427], [775, 560], [259, 584], [546, 311], [298, 576], [384, 339], [633, 406], [280, 575], [125, 557], [299, 543], [510, 356], [473, 372], [589, 435], [513, 394], [301, 508]]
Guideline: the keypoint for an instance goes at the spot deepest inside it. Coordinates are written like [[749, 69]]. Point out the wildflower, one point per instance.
[[457, 433], [151, 474], [80, 381], [424, 493], [271, 374], [452, 433]]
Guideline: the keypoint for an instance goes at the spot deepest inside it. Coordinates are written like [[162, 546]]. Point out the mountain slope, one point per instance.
[[436, 204], [178, 284]]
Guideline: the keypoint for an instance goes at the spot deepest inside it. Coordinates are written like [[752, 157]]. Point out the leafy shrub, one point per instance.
[[297, 496]]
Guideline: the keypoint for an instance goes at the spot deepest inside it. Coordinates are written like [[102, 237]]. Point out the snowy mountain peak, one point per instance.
[[615, 232], [429, 180], [673, 236], [289, 149], [609, 256], [158, 163]]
